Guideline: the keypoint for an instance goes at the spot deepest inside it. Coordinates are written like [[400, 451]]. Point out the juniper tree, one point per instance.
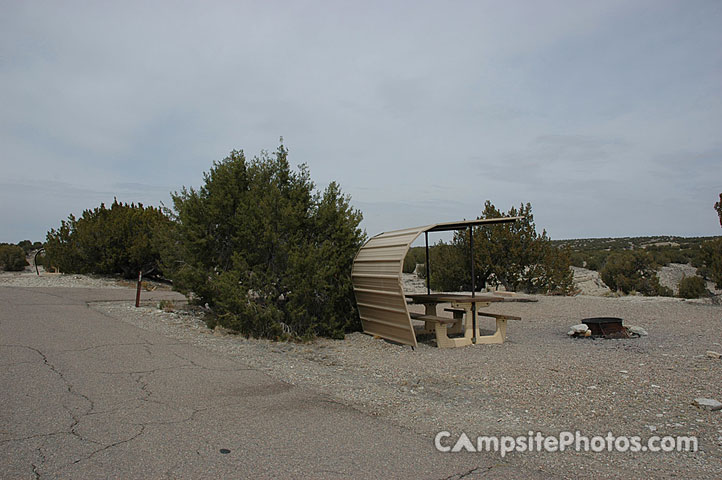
[[513, 255], [122, 239], [269, 254]]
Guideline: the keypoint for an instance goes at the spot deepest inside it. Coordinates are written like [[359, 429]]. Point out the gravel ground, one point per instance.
[[29, 278], [539, 380]]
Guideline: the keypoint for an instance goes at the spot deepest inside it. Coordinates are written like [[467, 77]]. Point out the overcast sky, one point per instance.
[[605, 115]]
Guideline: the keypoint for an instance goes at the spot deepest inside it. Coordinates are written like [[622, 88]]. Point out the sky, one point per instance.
[[605, 115]]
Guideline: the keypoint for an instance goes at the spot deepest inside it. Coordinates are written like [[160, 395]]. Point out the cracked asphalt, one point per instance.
[[83, 395]]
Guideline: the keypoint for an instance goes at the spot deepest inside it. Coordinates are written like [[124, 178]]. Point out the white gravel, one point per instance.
[[539, 380], [29, 278]]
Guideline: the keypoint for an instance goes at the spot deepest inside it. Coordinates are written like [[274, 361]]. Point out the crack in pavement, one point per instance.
[[191, 417], [212, 369], [106, 447], [68, 385], [459, 476], [33, 437], [76, 418]]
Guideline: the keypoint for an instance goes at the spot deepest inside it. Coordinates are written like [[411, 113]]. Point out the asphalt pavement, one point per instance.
[[84, 395]]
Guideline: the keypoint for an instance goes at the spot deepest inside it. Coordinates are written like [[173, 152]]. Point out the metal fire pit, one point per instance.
[[607, 327]]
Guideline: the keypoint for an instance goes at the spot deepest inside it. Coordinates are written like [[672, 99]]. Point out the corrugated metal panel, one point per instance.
[[378, 284]]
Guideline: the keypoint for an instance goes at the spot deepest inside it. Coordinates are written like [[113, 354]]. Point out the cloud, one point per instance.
[[563, 104]]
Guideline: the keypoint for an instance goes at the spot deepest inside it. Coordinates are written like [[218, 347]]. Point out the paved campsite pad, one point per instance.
[[88, 396]]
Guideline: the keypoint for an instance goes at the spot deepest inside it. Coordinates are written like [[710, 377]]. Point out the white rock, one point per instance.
[[580, 328], [637, 331], [708, 404], [712, 354]]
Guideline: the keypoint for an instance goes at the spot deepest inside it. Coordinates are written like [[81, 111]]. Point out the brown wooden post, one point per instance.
[[137, 293]]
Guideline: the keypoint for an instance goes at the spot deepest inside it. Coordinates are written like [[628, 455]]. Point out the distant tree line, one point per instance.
[[630, 264]]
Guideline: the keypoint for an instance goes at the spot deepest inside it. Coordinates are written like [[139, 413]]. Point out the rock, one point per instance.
[[708, 404], [639, 331], [580, 328], [712, 354]]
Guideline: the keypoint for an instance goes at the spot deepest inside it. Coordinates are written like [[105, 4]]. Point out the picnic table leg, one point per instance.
[[457, 327], [430, 309], [498, 337], [443, 340]]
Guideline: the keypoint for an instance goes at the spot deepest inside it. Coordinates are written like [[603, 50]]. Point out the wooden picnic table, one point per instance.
[[465, 308]]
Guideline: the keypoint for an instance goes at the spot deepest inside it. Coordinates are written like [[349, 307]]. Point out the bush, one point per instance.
[[513, 255], [409, 264], [710, 265], [577, 260], [12, 258], [414, 257], [692, 287], [633, 271], [123, 239], [270, 255]]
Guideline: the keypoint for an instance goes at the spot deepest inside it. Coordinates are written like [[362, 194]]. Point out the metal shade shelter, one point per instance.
[[377, 278]]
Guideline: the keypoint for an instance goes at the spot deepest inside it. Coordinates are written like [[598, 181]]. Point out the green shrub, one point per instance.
[[577, 259], [269, 254], [633, 271], [594, 263], [409, 264], [12, 258], [415, 256], [29, 246], [122, 239], [513, 255], [692, 287], [711, 261]]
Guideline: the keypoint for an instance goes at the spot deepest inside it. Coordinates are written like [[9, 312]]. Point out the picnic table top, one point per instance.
[[452, 297]]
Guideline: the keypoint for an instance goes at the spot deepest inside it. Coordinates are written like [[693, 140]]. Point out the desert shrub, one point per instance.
[[577, 259], [692, 287], [29, 246], [409, 264], [269, 254], [711, 261], [513, 255], [12, 258], [123, 239], [594, 262], [415, 256], [633, 271], [449, 267]]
